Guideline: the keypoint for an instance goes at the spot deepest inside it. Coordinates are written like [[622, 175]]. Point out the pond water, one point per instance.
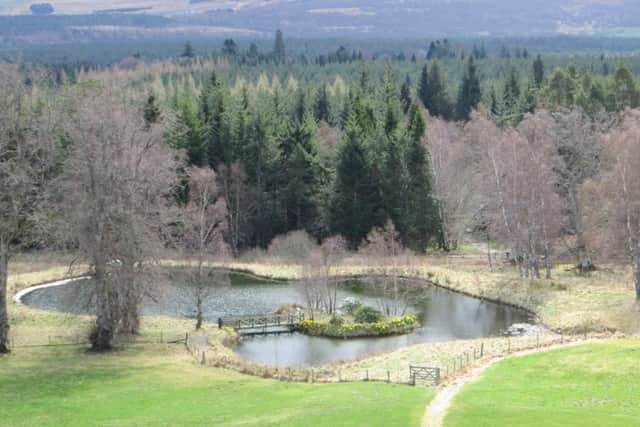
[[443, 315]]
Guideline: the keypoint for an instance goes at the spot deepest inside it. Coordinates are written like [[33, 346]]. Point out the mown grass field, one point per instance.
[[159, 385], [589, 385]]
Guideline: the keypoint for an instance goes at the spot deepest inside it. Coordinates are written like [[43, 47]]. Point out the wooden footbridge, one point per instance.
[[262, 324]]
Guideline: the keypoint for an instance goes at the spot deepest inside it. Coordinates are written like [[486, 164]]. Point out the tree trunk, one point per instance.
[[637, 276], [128, 301], [102, 336], [489, 252], [4, 316]]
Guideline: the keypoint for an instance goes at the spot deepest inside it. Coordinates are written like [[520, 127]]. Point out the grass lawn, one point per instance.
[[589, 385], [156, 385]]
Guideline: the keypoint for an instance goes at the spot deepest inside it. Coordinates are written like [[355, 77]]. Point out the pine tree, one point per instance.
[[511, 94], [355, 206], [405, 94], [538, 71], [300, 174], [215, 119], [187, 134], [188, 51], [151, 111], [421, 220], [423, 86], [469, 95], [495, 107], [321, 106], [437, 101], [391, 100], [279, 51]]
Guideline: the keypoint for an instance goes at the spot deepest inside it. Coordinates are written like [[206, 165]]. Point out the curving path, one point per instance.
[[437, 409]]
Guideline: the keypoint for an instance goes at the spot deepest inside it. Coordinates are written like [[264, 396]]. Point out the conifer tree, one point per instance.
[[391, 100], [279, 51], [538, 71], [151, 111], [421, 219], [434, 93], [405, 95], [321, 107], [355, 206], [300, 174], [469, 95], [188, 51]]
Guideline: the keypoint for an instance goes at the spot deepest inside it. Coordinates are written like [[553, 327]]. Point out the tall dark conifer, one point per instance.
[[355, 206], [421, 219], [469, 95]]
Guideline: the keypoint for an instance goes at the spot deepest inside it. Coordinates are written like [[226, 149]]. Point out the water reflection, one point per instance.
[[443, 316]]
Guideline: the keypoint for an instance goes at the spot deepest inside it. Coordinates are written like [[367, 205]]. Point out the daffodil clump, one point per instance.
[[343, 329]]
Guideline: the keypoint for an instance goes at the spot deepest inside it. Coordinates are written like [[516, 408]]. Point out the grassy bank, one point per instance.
[[151, 385], [589, 385]]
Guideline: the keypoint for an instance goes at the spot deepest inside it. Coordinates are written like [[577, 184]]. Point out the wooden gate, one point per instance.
[[429, 376]]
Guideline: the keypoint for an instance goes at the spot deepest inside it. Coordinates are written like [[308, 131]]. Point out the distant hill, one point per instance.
[[382, 18]]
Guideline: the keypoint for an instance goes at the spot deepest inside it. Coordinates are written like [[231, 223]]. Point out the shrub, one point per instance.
[[368, 314], [336, 321], [351, 305], [294, 246]]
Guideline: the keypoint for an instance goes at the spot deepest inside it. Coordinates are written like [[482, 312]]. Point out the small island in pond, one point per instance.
[[357, 321]]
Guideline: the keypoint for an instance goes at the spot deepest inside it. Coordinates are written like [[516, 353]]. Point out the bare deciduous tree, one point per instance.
[[318, 283], [26, 155], [205, 223], [113, 194], [578, 139], [382, 247], [454, 180], [519, 187], [235, 191], [615, 195]]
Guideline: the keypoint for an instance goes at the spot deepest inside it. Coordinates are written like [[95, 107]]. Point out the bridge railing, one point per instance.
[[260, 321]]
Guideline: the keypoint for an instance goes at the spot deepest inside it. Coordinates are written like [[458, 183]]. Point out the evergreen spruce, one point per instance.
[[421, 220], [279, 51], [538, 71], [469, 95], [151, 111], [355, 205]]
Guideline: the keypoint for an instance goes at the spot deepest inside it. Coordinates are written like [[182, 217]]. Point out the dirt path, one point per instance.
[[437, 409]]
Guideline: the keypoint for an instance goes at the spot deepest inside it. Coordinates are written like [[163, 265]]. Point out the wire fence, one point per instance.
[[410, 373], [81, 338]]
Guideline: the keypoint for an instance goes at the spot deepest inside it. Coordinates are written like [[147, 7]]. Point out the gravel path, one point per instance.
[[437, 409]]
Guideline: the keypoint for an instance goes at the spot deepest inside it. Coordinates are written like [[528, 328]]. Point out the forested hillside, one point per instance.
[[224, 153]]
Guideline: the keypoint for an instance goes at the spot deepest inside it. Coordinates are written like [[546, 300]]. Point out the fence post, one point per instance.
[[339, 375], [585, 332], [538, 340], [204, 360], [437, 376], [508, 345], [219, 322], [367, 375], [161, 338], [388, 377], [481, 350]]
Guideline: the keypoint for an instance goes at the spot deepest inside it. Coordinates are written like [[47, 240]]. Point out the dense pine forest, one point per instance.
[[225, 151]]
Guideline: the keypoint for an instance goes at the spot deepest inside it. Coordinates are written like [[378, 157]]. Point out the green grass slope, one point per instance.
[[590, 385], [160, 386]]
